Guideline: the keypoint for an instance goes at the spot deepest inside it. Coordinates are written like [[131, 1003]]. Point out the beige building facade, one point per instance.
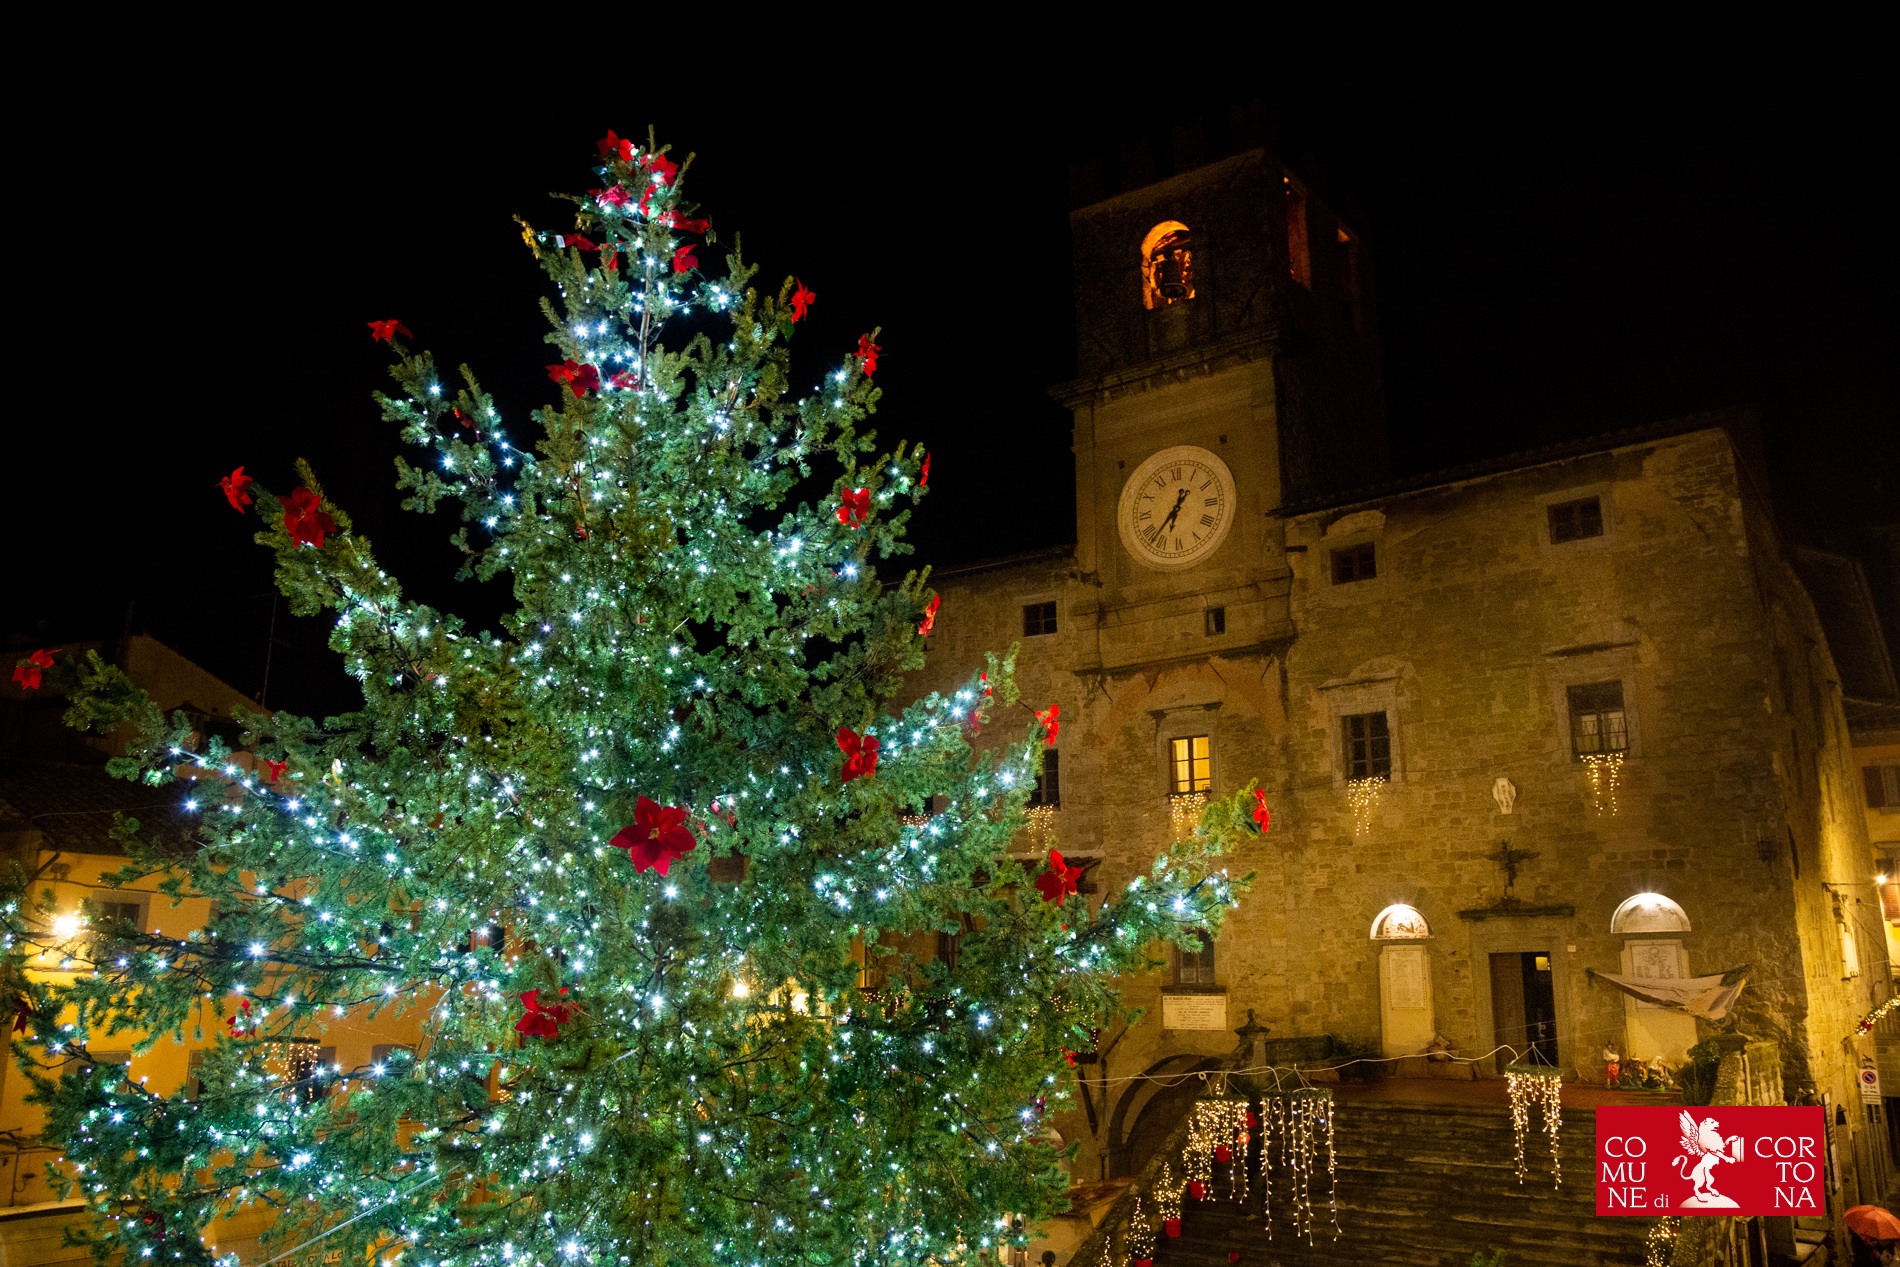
[[1567, 713]]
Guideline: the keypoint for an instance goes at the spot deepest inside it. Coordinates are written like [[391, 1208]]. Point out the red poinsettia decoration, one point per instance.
[[275, 769], [867, 353], [656, 837], [854, 505], [27, 672], [625, 380], [1059, 881], [236, 488], [304, 519], [860, 753], [386, 330], [580, 377], [575, 239], [1262, 818], [684, 261], [1050, 724], [923, 476], [543, 1020], [1069, 1056], [930, 615], [802, 301], [612, 197], [663, 169], [243, 1024], [674, 220], [612, 146]]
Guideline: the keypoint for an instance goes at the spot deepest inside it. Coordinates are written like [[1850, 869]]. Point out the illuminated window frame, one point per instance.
[[1190, 764]]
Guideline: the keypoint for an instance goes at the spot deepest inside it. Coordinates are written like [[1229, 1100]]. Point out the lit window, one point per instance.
[[1597, 724], [1048, 789], [1190, 765], [1195, 967], [1368, 744], [1573, 521], [1299, 258], [1038, 618], [1354, 563], [1167, 265]]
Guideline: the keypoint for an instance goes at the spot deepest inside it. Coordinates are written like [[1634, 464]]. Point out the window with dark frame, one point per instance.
[[1190, 765], [1048, 789], [1573, 521], [1883, 786], [1368, 745], [1354, 563], [1195, 967], [1598, 726], [1216, 621], [1038, 618]]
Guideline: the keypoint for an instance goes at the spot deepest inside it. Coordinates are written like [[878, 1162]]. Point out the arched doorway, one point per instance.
[[1152, 1108]]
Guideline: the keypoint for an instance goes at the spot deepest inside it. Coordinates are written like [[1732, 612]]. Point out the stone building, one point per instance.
[[1565, 712]]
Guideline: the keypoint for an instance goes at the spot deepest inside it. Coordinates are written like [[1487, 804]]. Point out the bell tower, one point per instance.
[[1228, 364]]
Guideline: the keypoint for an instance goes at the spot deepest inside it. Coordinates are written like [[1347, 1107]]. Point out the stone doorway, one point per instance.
[[1524, 1005]]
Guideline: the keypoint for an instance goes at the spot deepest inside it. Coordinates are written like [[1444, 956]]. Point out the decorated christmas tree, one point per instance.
[[677, 781]]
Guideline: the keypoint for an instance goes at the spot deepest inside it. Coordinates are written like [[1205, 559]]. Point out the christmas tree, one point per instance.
[[677, 778]]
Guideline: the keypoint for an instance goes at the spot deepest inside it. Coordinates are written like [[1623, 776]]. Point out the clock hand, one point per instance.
[[1178, 499]]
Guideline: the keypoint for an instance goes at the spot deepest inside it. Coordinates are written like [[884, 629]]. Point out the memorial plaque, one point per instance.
[[1194, 1011]]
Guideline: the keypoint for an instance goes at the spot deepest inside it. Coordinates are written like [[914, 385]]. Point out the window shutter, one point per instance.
[[1876, 786]]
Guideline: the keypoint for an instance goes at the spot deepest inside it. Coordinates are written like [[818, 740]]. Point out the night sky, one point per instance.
[[1560, 250]]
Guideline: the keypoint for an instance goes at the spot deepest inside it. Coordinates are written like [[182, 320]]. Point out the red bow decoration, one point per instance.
[[27, 672], [243, 1024], [1069, 1056], [657, 836], [802, 301], [662, 168], [684, 260], [1197, 1189], [923, 476], [867, 352], [613, 197], [1262, 819], [1172, 1227], [611, 146], [22, 1013], [385, 329], [860, 753], [930, 615], [1049, 724], [236, 487], [543, 1020], [853, 507], [579, 377], [1223, 1153], [1059, 881], [304, 519]]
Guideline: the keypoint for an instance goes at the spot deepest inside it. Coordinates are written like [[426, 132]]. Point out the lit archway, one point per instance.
[[1399, 922], [1649, 913], [1167, 265]]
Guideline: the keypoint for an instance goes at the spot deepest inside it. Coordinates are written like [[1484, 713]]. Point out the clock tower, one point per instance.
[[1227, 365]]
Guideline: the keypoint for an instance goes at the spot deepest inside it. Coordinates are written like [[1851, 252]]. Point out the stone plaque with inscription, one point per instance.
[[1194, 1011]]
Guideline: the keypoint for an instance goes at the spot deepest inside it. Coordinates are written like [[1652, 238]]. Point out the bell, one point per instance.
[[1171, 277]]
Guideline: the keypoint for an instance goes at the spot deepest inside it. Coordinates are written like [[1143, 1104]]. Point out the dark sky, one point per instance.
[[1561, 249]]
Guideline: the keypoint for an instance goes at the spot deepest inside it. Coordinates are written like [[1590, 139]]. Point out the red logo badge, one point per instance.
[[1665, 1159]]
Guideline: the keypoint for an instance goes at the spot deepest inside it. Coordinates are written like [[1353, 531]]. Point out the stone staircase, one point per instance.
[[1423, 1185]]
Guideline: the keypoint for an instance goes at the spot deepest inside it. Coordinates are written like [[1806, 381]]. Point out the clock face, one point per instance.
[[1176, 508]]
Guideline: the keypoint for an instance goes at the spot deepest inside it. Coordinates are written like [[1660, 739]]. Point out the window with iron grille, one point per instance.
[[1354, 563], [1048, 789], [1368, 745], [1190, 765], [1597, 724], [1038, 618], [1573, 521], [1883, 786], [1195, 967]]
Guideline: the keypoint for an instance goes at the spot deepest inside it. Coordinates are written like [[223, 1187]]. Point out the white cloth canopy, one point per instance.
[[1707, 997]]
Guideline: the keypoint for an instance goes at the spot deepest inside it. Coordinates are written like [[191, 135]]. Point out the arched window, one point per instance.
[[1167, 265], [1649, 913], [1399, 922]]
